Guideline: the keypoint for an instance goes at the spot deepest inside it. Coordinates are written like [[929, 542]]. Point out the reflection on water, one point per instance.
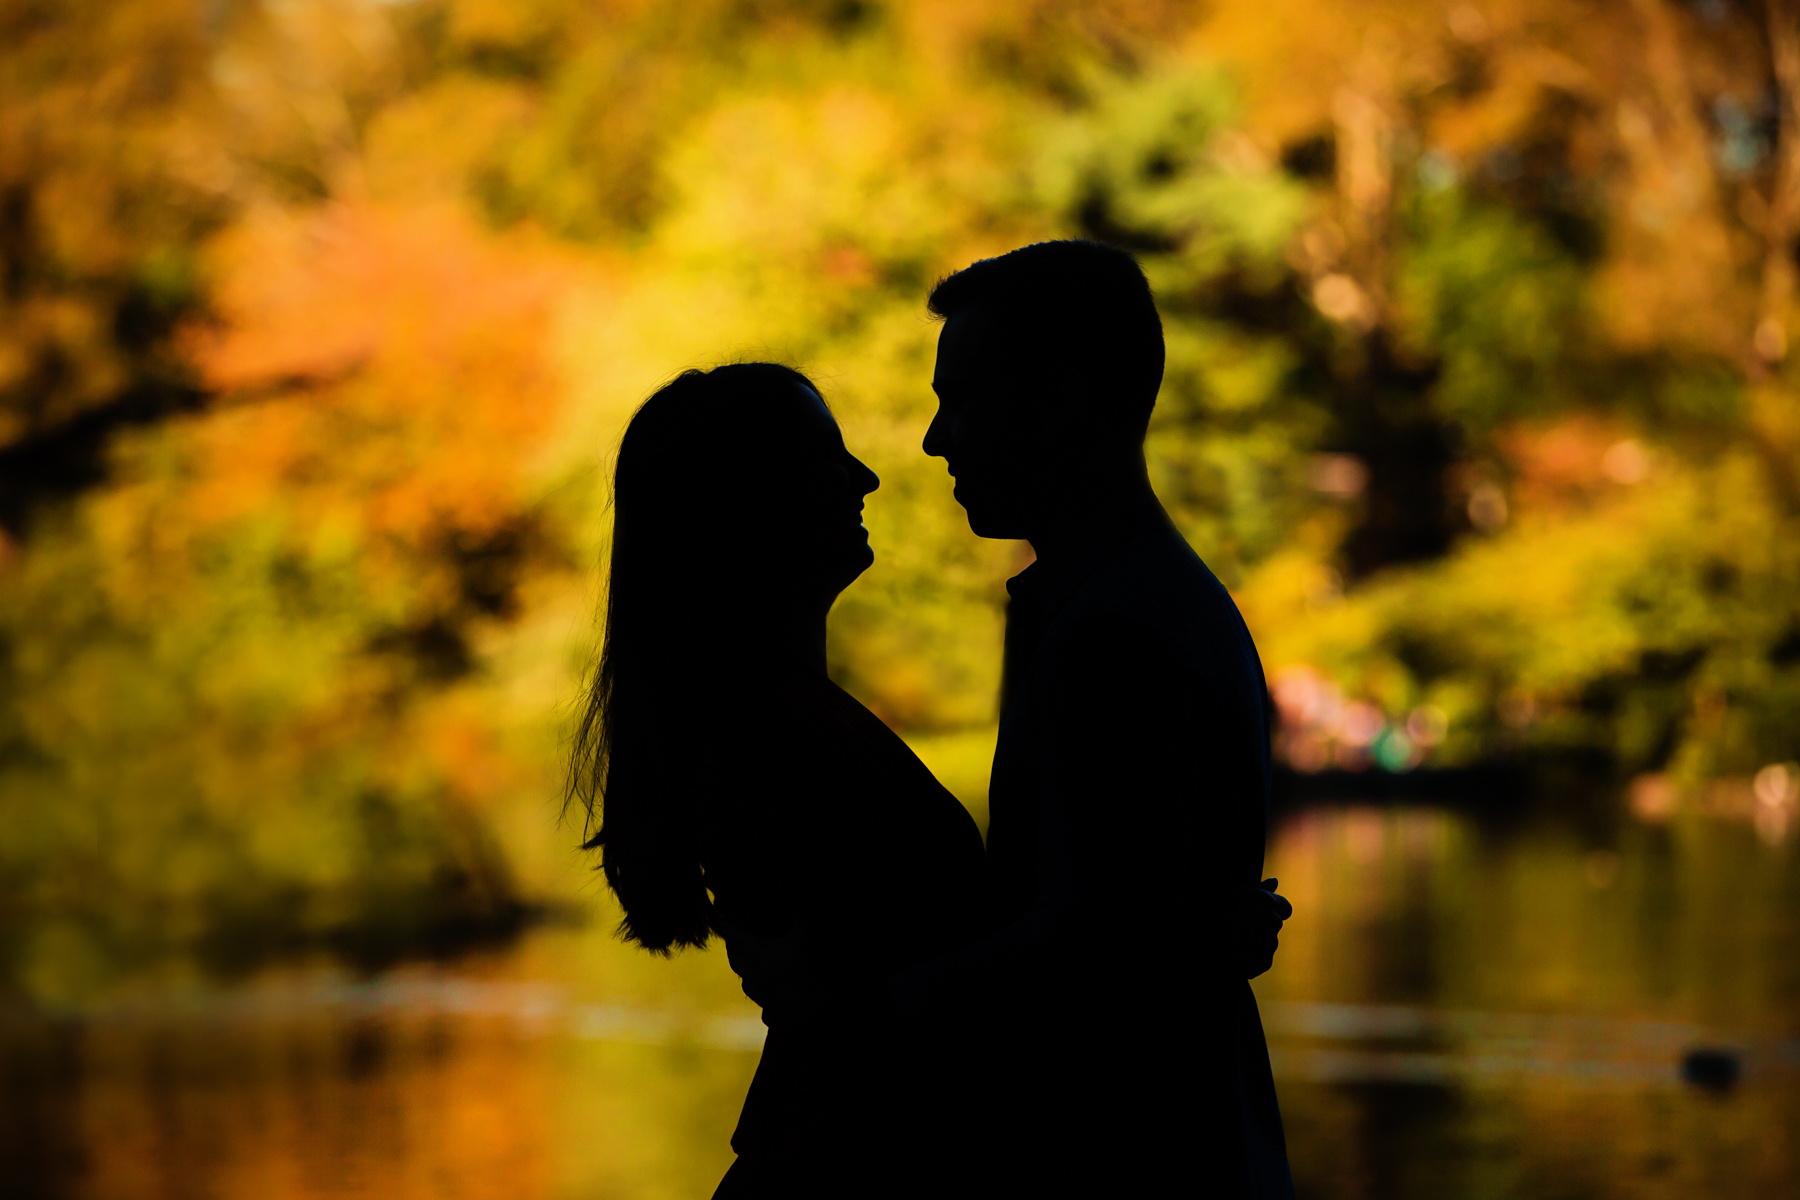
[[1470, 1010], [1459, 1010]]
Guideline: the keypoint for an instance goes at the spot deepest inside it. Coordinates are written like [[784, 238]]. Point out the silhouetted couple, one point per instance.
[[1066, 1013]]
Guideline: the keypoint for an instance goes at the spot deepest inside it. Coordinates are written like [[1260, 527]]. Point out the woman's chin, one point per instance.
[[855, 563]]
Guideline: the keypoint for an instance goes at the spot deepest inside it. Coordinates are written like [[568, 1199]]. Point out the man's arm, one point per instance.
[[1149, 827]]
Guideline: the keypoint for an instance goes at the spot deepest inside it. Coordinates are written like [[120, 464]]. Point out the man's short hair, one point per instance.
[[1077, 312]]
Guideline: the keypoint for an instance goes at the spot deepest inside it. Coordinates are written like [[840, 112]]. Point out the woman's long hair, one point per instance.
[[684, 587]]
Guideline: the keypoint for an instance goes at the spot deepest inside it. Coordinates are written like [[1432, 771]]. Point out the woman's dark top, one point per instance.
[[817, 815]]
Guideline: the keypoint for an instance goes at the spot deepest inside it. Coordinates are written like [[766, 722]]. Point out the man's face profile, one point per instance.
[[982, 428]]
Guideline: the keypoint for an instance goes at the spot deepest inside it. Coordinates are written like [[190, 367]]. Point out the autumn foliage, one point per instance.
[[321, 320]]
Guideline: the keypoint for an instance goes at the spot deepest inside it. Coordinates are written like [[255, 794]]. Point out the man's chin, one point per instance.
[[988, 525], [987, 519]]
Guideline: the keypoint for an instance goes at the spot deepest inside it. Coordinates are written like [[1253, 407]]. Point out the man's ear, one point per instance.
[[1064, 416]]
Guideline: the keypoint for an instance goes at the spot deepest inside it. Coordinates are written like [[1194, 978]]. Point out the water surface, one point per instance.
[[1463, 1008]]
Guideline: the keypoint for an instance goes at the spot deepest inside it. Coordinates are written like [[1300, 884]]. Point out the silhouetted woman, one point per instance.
[[730, 785]]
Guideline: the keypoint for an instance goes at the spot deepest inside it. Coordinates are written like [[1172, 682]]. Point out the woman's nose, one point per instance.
[[868, 481]]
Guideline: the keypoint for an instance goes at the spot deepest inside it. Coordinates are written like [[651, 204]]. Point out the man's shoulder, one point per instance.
[[1161, 612], [1158, 582]]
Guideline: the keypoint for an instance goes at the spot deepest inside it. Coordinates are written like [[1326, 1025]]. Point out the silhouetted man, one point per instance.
[[1120, 1048]]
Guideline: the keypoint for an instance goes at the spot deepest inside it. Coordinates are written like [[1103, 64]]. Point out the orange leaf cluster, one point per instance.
[[386, 366]]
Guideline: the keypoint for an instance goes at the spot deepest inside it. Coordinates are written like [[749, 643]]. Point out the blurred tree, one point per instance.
[[107, 183], [1565, 224], [242, 678], [322, 316]]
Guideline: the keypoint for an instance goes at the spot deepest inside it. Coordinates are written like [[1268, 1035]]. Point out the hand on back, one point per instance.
[[1257, 917]]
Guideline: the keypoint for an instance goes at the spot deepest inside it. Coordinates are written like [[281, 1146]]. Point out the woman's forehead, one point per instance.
[[813, 413], [790, 424]]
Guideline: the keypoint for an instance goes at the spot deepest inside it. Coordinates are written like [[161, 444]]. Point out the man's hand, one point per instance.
[[770, 967], [791, 974], [1256, 920]]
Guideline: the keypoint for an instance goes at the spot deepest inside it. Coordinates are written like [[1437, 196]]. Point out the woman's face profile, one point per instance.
[[819, 489]]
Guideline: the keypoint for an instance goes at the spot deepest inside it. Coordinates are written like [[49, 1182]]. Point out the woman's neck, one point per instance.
[[792, 642]]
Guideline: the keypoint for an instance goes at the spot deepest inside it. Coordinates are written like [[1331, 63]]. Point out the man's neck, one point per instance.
[[1100, 507]]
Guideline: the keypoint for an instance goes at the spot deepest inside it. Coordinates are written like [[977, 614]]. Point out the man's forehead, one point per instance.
[[964, 343]]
